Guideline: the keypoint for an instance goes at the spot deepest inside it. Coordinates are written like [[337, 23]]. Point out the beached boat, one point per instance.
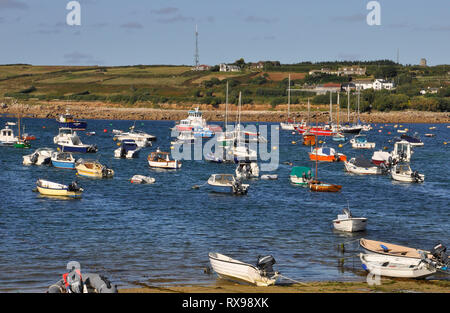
[[7, 137], [128, 149], [141, 179], [360, 142], [246, 170], [300, 175], [326, 154], [63, 160], [39, 157], [68, 141], [361, 165], [396, 267], [346, 222], [161, 159], [88, 283], [227, 183], [49, 188], [68, 121], [93, 168], [402, 172], [261, 274]]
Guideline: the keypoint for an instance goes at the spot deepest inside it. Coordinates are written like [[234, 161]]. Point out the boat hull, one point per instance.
[[351, 224], [327, 158], [59, 192], [351, 168], [323, 187], [76, 149], [78, 125], [166, 165], [64, 165]]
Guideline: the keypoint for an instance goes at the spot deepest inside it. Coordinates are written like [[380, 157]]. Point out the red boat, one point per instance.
[[319, 131]]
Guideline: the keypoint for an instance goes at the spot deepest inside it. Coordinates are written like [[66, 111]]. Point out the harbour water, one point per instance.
[[162, 233]]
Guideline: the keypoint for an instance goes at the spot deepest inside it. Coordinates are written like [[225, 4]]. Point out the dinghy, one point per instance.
[[39, 157], [161, 159], [141, 179], [316, 185], [92, 168], [346, 222], [227, 183], [396, 267], [269, 176], [360, 142], [403, 173], [48, 188], [261, 274]]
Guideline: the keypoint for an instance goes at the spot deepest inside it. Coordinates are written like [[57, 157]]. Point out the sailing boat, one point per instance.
[[338, 136], [289, 125], [316, 185], [351, 129], [241, 151], [21, 143], [309, 139]]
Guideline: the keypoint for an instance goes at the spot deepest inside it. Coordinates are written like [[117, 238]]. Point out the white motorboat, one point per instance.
[[269, 177], [128, 149], [39, 157], [346, 222], [68, 141], [391, 266], [246, 170], [7, 137], [402, 172], [360, 165], [261, 274], [142, 139], [141, 179], [161, 159], [227, 183], [360, 142], [243, 152], [413, 140], [402, 153]]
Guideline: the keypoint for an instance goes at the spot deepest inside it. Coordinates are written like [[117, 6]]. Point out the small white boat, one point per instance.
[[142, 139], [360, 142], [390, 266], [363, 166], [246, 170], [39, 157], [49, 188], [269, 176], [227, 183], [403, 173], [402, 131], [430, 135], [261, 274], [346, 222], [161, 159], [128, 149], [141, 179]]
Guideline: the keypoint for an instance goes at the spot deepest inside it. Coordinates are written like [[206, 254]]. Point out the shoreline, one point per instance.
[[386, 286], [111, 112]]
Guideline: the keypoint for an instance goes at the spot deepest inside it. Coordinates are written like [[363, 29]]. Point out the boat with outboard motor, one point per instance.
[[84, 283], [301, 175], [402, 172], [227, 183], [360, 165], [160, 159], [68, 141], [326, 154], [39, 157], [93, 168], [68, 121], [346, 222], [48, 188], [261, 274], [61, 159], [128, 149], [413, 140], [141, 179], [402, 153]]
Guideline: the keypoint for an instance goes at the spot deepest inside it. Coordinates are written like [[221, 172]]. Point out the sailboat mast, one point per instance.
[[359, 96], [337, 118], [308, 110], [226, 111], [239, 123], [289, 96], [348, 104], [331, 107]]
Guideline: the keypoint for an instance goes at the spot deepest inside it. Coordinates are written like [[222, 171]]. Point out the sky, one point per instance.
[[118, 32]]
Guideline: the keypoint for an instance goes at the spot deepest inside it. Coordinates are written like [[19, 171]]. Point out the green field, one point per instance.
[[151, 85]]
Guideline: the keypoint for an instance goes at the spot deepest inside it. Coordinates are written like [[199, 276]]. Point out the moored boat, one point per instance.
[[68, 141], [402, 172], [39, 157], [227, 183], [7, 137], [300, 175], [246, 170], [63, 160], [128, 149], [93, 168], [141, 179], [316, 185], [68, 121], [160, 159], [360, 142], [361, 165], [346, 222], [261, 274], [326, 154], [49, 188]]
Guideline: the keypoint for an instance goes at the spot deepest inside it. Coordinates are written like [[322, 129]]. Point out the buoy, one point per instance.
[[43, 126], [385, 148], [379, 130], [274, 148], [114, 138], [105, 130], [293, 133], [320, 141], [389, 133], [171, 148], [445, 142], [293, 142], [58, 149], [340, 145], [118, 143]]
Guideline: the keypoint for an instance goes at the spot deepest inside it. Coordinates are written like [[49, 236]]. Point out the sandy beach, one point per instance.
[[387, 285], [98, 110]]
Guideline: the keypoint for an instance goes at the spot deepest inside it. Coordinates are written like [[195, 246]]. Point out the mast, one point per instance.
[[359, 96], [239, 124], [226, 111], [348, 103], [331, 107], [308, 111], [337, 110], [289, 96]]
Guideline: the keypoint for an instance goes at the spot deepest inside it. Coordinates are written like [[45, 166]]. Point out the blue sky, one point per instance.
[[117, 32]]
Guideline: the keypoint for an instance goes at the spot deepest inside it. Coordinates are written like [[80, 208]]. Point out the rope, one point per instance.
[[198, 186], [295, 281]]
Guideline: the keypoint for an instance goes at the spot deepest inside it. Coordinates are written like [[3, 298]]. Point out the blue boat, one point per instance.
[[67, 121], [63, 160]]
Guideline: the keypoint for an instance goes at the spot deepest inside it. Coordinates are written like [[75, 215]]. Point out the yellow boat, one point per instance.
[[48, 188], [89, 168]]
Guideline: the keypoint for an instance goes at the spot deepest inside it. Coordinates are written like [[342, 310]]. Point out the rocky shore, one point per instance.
[[116, 112]]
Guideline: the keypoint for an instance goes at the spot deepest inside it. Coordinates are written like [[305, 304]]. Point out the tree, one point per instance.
[[240, 62]]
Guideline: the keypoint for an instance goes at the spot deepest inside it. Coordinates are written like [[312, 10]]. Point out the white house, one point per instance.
[[379, 84], [363, 84], [229, 68]]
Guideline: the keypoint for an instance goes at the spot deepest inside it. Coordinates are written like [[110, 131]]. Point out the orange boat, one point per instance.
[[309, 139], [316, 185], [325, 154]]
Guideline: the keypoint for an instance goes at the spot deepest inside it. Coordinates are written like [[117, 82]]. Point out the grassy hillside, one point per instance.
[[151, 86]]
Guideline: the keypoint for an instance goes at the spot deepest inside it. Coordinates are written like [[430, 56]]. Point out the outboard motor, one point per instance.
[[415, 175], [74, 186], [439, 253], [123, 152], [265, 264], [34, 158]]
